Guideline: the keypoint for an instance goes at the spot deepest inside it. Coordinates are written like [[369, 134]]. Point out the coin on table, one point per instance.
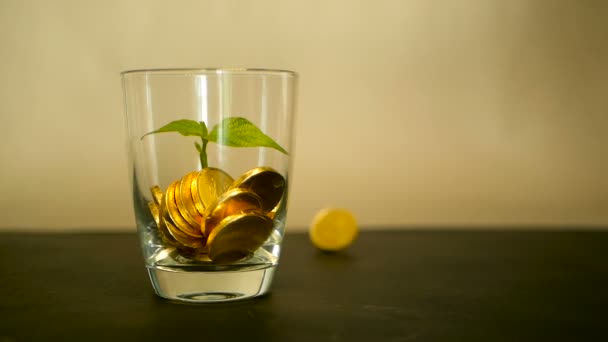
[[181, 237], [238, 236], [157, 194], [264, 182], [235, 201], [211, 183], [175, 215], [183, 199], [155, 211], [333, 229]]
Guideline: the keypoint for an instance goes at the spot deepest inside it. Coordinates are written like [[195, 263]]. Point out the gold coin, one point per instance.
[[183, 199], [157, 194], [235, 201], [181, 237], [272, 214], [211, 183], [198, 203], [155, 211], [162, 228], [264, 182], [333, 229], [174, 214], [238, 236], [178, 238]]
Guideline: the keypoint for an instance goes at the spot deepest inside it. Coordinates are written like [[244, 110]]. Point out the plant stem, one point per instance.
[[203, 155]]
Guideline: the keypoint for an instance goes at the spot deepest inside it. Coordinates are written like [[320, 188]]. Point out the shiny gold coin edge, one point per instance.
[[198, 204], [181, 237], [155, 211], [157, 194], [183, 240], [225, 224], [250, 173], [188, 193], [175, 215], [181, 199], [162, 228], [245, 177], [226, 196]]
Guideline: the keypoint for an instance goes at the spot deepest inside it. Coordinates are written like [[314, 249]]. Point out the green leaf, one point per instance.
[[203, 129], [183, 127], [240, 132], [198, 146]]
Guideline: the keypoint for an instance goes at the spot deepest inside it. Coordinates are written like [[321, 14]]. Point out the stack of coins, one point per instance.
[[209, 212]]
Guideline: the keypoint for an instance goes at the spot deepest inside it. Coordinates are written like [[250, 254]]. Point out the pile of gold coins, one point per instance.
[[208, 212]]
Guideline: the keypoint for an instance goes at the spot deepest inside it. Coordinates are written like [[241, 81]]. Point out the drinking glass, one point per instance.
[[209, 159]]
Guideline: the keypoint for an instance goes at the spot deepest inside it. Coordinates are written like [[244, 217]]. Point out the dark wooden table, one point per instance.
[[390, 286]]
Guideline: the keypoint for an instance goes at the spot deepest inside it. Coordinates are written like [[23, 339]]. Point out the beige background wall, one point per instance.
[[411, 113]]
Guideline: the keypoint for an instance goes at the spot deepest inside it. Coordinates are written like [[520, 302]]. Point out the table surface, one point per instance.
[[389, 286]]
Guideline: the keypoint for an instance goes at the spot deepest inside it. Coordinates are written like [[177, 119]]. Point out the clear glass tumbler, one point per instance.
[[209, 153]]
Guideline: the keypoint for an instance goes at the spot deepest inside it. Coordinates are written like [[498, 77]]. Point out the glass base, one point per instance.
[[210, 286]]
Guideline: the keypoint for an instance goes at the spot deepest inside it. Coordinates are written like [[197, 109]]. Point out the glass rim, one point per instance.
[[209, 71]]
